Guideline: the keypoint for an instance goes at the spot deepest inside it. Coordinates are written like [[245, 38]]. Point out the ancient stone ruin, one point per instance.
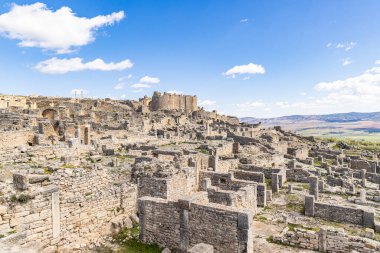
[[76, 172]]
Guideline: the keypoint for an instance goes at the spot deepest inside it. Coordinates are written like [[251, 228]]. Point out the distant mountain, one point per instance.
[[330, 118]]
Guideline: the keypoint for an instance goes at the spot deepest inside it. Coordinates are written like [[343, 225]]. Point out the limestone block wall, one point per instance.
[[250, 176], [183, 224], [89, 199], [32, 223], [363, 216], [298, 175], [327, 240], [10, 139], [360, 165], [167, 188], [339, 213]]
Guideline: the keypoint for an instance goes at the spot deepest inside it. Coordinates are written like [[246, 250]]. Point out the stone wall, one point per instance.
[[183, 224], [327, 239], [363, 216], [10, 139], [72, 210], [298, 175]]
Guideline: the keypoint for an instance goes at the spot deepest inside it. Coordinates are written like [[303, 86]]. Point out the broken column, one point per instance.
[[87, 135], [363, 174], [313, 187], [363, 195], [290, 189], [214, 161], [275, 183], [41, 129], [292, 164], [236, 147], [309, 206]]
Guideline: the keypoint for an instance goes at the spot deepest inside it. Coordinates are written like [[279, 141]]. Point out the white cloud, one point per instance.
[[123, 96], [175, 92], [250, 68], [121, 79], [346, 45], [377, 62], [119, 86], [148, 79], [36, 25], [303, 93], [346, 61], [244, 20], [207, 102], [140, 86], [61, 66]]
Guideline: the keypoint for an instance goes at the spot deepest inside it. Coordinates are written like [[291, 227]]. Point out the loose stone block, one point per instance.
[[201, 248], [21, 181]]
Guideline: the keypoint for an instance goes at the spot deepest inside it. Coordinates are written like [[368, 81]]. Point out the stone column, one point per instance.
[[322, 240], [236, 147], [313, 187], [77, 132], [363, 195], [214, 162], [309, 205], [275, 183], [87, 135], [363, 174], [41, 129], [292, 164], [290, 189]]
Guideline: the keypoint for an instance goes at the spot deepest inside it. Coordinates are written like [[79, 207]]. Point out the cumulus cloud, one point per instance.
[[61, 66], [148, 79], [36, 25], [377, 62], [140, 86], [249, 68], [119, 86], [244, 20], [346, 61]]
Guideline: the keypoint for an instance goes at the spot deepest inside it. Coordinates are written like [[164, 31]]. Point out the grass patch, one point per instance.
[[23, 198], [127, 238]]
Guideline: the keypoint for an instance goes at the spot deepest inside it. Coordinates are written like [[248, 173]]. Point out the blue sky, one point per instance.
[[244, 58]]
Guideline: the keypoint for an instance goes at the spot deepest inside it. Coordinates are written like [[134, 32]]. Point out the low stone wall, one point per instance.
[[327, 240], [250, 176], [298, 175], [188, 222], [364, 216]]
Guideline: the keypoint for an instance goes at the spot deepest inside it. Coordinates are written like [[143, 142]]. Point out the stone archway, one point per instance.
[[50, 114]]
